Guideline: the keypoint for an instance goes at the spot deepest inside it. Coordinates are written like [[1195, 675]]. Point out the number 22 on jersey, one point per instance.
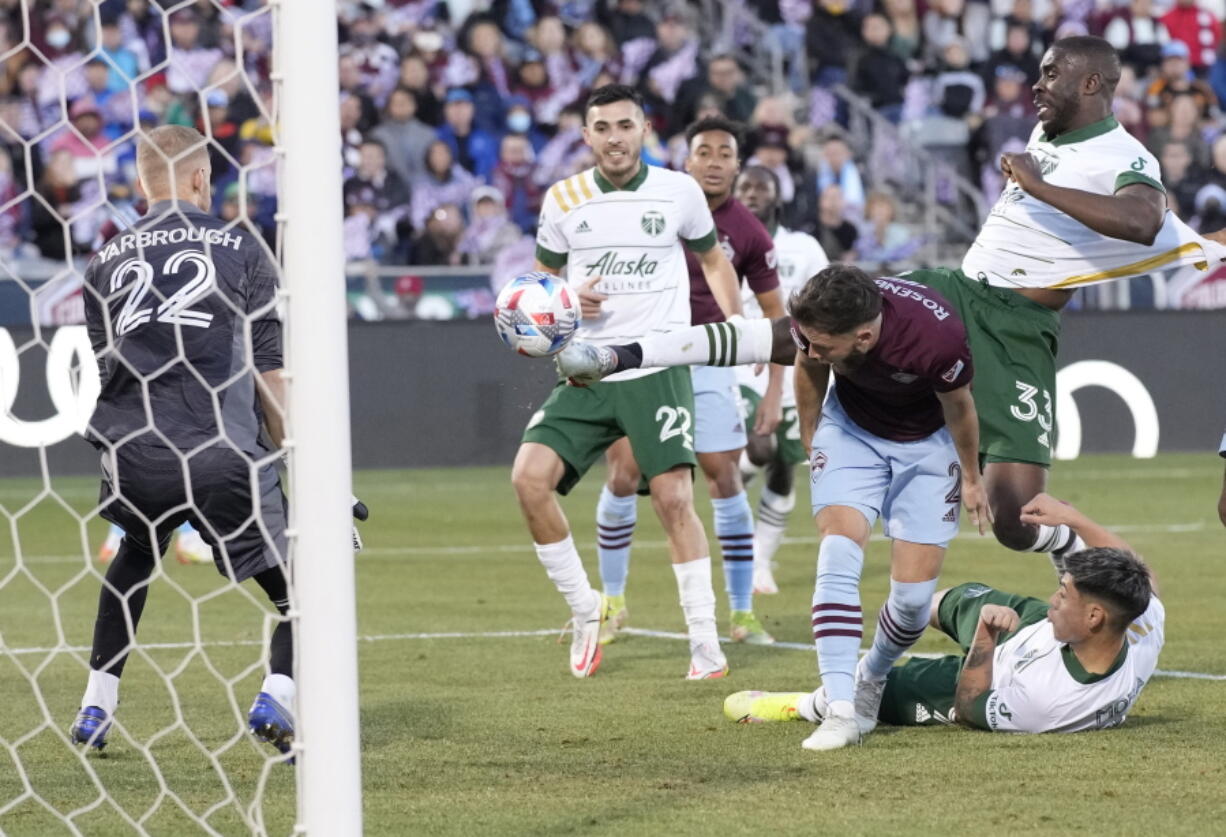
[[175, 309]]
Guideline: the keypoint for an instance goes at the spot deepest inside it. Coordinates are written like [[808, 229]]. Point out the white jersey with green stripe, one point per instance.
[[630, 239], [800, 258], [1026, 243], [1038, 685]]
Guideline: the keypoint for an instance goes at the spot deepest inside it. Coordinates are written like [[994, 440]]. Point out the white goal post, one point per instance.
[[327, 739]]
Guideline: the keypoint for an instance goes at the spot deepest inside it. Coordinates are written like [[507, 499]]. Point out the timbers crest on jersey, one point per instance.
[[652, 222]]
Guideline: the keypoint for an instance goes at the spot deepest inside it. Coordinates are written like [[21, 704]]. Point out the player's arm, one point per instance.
[[963, 422], [975, 680], [812, 379], [721, 279], [1134, 213], [770, 410]]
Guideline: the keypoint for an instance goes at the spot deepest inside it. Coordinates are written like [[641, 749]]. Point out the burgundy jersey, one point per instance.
[[747, 245], [922, 350]]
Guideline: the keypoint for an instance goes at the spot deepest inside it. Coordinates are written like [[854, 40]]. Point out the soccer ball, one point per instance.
[[536, 314]]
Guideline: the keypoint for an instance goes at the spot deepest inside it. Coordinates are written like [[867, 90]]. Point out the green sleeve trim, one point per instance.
[[701, 245], [979, 712], [1130, 177], [547, 257]]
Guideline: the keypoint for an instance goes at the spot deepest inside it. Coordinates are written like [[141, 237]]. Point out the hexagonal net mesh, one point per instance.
[[160, 306]]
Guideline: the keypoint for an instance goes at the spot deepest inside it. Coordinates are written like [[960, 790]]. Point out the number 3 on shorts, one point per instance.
[[675, 421]]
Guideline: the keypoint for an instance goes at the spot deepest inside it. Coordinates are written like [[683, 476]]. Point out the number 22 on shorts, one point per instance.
[[676, 421]]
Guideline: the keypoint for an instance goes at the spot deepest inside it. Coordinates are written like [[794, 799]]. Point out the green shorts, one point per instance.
[[656, 412], [787, 435], [1013, 344], [921, 692]]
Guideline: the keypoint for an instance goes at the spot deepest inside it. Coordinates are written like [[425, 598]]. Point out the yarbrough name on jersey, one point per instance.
[[178, 235]]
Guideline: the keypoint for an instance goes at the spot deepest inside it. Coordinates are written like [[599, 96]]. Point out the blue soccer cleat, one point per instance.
[[90, 727], [272, 722]]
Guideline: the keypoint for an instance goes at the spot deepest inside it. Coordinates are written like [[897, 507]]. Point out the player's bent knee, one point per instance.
[[537, 471]]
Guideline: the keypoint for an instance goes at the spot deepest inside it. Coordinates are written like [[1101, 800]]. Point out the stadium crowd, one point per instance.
[[457, 115]]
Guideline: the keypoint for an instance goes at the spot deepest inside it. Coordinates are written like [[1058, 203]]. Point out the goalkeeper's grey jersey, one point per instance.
[[181, 314]]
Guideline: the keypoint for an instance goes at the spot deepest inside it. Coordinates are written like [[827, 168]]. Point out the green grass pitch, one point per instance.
[[484, 734]]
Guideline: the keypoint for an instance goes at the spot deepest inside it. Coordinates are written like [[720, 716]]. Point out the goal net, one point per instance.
[[86, 80]]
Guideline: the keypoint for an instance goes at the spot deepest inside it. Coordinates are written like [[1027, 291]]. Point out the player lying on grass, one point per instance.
[[1076, 662]]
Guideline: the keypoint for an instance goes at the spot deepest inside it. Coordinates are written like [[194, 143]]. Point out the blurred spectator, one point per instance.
[[595, 52], [672, 63], [1210, 201], [11, 218], [114, 108], [832, 35], [406, 294], [405, 137], [85, 142], [351, 137], [443, 181], [942, 24], [376, 64], [835, 233], [520, 121], [475, 150], [1217, 74], [1008, 121], [1181, 176], [628, 22], [1183, 127], [489, 229], [1137, 33], [190, 63], [956, 91], [349, 75], [1176, 78], [880, 75], [491, 84], [415, 76], [383, 197], [513, 177], [770, 149], [438, 243], [1018, 52], [724, 78], [1128, 104], [907, 35], [838, 166], [884, 242], [61, 200], [566, 153], [122, 62], [224, 132], [1197, 29]]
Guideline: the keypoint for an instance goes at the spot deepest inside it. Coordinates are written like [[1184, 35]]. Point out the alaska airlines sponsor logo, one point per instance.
[[610, 265]]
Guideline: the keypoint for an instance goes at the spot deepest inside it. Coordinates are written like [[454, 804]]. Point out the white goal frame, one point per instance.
[[327, 740]]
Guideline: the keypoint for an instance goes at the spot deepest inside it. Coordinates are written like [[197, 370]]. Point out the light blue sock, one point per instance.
[[838, 623], [734, 528], [116, 531], [615, 519], [900, 623]]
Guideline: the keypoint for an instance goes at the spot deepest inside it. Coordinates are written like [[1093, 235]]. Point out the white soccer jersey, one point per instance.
[[1038, 685], [1026, 243], [800, 257], [631, 238]]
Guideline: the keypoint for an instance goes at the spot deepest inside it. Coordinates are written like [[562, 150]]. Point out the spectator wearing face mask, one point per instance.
[[520, 122]]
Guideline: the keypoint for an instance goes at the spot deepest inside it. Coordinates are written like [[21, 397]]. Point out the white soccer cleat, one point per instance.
[[707, 662], [585, 649], [109, 547], [190, 548], [835, 733], [764, 581], [583, 364], [868, 699]]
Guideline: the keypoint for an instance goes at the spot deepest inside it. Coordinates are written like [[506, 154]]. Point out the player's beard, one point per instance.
[[851, 363], [620, 165]]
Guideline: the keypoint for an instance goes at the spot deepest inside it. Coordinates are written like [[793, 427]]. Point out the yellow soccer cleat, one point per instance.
[[618, 615], [763, 707], [748, 629]]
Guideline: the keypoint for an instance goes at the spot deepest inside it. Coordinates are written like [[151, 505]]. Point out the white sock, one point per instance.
[[805, 709], [565, 570], [1054, 539], [697, 599], [615, 520], [281, 688], [102, 691], [714, 344], [773, 511]]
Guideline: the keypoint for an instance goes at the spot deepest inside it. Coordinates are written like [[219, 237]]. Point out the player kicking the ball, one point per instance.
[[619, 229], [719, 427], [1075, 662]]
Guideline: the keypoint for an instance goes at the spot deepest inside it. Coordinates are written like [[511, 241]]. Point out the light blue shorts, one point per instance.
[[913, 486], [719, 423]]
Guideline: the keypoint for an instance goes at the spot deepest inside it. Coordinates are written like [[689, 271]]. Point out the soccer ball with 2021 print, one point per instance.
[[536, 314]]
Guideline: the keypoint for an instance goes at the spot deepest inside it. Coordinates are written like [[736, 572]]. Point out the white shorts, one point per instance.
[[719, 423], [913, 486]]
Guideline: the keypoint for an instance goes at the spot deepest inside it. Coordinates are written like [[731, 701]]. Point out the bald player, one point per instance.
[[181, 311]]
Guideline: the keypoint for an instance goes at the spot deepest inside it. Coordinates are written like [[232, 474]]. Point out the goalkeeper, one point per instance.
[[182, 316]]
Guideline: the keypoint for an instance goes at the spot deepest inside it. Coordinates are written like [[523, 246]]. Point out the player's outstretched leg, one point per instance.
[[838, 623], [110, 546], [271, 716], [616, 516], [535, 474], [122, 600], [190, 547], [1010, 486], [672, 497]]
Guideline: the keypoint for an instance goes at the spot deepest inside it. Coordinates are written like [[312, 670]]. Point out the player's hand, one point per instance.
[[590, 299], [769, 414], [975, 498], [360, 512], [998, 619], [1022, 169], [1046, 510]]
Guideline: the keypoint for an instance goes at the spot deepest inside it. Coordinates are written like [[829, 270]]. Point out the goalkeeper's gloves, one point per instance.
[[360, 512]]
